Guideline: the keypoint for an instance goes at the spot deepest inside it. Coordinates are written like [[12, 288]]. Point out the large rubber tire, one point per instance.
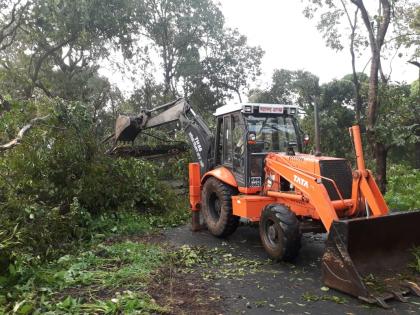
[[217, 207], [280, 233]]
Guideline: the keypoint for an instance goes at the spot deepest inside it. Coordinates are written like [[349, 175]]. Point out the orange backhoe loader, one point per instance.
[[252, 168]]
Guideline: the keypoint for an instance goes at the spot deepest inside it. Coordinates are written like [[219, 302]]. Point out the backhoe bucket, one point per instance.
[[372, 258], [127, 128]]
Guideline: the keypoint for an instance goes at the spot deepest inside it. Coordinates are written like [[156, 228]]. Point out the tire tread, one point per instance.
[[291, 231], [230, 222]]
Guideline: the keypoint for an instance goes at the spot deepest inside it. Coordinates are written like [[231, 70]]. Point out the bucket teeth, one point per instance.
[[381, 302], [389, 294], [414, 287], [398, 295], [369, 257]]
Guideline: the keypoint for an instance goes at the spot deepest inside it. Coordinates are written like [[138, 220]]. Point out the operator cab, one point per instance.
[[246, 133]]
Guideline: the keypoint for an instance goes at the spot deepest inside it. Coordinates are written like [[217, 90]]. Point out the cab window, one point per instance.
[[273, 133], [227, 140], [238, 137]]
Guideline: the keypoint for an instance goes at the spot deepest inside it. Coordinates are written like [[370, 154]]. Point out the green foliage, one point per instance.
[[334, 100], [178, 29], [403, 191], [107, 275], [232, 63], [416, 261], [122, 268], [57, 181], [287, 87], [398, 123]]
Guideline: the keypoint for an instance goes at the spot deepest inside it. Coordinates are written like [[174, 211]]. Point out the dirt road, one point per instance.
[[277, 287]]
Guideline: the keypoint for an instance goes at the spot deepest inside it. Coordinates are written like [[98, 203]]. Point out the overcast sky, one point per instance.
[[290, 41]]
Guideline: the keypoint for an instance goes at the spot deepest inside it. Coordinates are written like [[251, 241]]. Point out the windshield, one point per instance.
[[273, 133]]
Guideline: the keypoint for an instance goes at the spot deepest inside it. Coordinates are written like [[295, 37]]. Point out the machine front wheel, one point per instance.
[[217, 207], [279, 232]]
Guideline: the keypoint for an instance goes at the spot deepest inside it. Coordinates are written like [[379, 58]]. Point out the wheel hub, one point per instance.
[[215, 206], [272, 234]]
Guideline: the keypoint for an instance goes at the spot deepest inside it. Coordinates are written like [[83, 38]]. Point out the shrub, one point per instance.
[[54, 183], [403, 188]]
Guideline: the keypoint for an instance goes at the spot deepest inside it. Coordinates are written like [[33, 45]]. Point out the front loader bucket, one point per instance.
[[372, 258]]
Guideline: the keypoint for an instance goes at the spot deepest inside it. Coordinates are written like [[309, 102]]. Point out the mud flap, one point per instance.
[[369, 258]]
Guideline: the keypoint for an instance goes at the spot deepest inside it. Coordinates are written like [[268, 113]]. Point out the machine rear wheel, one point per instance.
[[279, 232], [217, 208]]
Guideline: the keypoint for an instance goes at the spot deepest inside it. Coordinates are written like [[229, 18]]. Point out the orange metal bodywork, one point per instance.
[[223, 174], [195, 182], [195, 186], [250, 206], [249, 190], [309, 197]]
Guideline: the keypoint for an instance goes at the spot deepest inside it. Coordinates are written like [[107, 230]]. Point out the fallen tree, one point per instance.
[[150, 152]]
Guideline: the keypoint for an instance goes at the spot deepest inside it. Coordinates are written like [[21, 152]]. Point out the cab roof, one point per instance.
[[251, 107]]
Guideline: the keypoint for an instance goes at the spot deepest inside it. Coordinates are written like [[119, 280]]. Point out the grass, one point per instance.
[[105, 278], [108, 275], [416, 259]]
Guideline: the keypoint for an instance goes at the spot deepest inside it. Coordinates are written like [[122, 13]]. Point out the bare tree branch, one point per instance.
[[8, 31], [22, 132]]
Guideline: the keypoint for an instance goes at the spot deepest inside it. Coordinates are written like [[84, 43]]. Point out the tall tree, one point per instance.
[[67, 36], [301, 87], [376, 23], [12, 16], [334, 100], [398, 124], [331, 18], [231, 63], [178, 28]]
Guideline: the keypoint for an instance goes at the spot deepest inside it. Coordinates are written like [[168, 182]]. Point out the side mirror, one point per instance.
[[252, 138], [306, 139]]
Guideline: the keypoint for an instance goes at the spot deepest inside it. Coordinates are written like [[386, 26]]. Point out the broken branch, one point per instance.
[[21, 133]]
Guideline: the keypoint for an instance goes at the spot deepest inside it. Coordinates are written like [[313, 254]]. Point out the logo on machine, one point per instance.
[[196, 143], [197, 148], [300, 181], [255, 181]]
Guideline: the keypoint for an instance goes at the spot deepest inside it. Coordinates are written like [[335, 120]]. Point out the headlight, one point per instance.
[[248, 109]]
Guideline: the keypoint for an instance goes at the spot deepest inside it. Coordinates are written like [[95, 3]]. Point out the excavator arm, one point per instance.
[[198, 133]]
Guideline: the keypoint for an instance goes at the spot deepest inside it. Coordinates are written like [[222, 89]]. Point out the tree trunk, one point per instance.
[[376, 41], [239, 96], [4, 105], [167, 82], [378, 149], [381, 153], [356, 83], [373, 92]]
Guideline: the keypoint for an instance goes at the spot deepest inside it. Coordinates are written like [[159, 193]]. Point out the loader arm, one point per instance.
[[198, 133], [368, 251], [311, 190]]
